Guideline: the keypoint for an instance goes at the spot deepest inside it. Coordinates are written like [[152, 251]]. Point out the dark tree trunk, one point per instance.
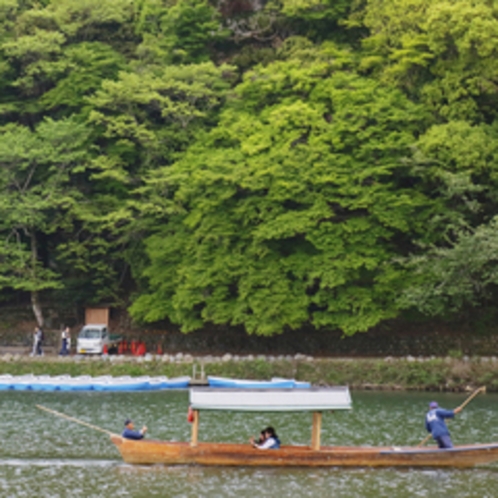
[[35, 297]]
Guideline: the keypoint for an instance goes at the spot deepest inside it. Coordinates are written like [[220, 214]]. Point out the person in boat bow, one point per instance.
[[434, 423], [130, 432], [271, 441]]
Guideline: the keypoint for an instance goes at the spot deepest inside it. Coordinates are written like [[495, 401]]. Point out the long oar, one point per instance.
[[72, 419], [472, 396], [462, 406]]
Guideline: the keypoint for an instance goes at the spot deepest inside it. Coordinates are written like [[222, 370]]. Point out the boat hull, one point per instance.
[[223, 382], [223, 454]]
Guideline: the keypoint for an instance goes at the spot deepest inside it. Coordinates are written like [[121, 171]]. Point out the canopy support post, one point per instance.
[[316, 430], [195, 428]]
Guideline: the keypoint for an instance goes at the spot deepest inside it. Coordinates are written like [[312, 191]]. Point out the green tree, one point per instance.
[[183, 33], [456, 277], [57, 55], [36, 174], [147, 118], [455, 267], [141, 122], [440, 52], [292, 209]]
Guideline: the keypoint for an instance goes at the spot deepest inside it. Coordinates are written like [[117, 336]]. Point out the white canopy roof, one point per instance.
[[315, 399]]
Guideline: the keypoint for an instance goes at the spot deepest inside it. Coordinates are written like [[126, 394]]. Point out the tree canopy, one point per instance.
[[266, 164]]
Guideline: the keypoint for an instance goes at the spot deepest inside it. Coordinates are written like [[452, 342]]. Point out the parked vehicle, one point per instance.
[[95, 339]]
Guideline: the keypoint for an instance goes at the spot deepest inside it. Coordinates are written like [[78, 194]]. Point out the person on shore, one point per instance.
[[34, 352], [435, 424], [130, 432], [270, 442], [65, 338], [39, 341]]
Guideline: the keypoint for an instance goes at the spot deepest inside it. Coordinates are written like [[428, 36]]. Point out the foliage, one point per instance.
[[458, 269], [184, 32], [37, 169], [56, 55], [466, 273], [438, 51], [289, 209], [147, 118], [270, 164]]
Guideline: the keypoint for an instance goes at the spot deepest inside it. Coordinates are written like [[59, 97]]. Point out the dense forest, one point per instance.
[[267, 164]]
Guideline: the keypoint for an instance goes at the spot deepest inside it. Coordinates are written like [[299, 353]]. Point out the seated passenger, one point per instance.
[[262, 438], [271, 441], [130, 432]]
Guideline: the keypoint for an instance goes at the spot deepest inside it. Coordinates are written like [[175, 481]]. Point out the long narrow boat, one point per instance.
[[315, 400], [87, 383], [153, 452]]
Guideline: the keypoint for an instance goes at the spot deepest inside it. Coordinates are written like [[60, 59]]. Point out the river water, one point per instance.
[[44, 456]]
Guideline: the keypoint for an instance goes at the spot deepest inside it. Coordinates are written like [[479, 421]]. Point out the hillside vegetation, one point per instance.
[[266, 164]]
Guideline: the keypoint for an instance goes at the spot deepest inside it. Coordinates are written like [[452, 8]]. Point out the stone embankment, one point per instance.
[[388, 373], [165, 358]]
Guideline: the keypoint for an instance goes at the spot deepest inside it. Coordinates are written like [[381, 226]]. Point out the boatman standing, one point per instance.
[[435, 424], [130, 432]]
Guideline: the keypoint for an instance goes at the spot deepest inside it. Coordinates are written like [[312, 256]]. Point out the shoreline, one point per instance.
[[393, 374]]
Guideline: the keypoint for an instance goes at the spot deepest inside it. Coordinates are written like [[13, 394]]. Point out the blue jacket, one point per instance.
[[434, 422], [129, 434]]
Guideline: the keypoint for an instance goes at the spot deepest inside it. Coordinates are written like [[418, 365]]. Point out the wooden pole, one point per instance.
[[195, 429], [72, 419], [472, 396], [426, 438], [316, 430]]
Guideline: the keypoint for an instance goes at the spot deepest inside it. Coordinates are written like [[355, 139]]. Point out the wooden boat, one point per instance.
[[153, 452], [315, 400]]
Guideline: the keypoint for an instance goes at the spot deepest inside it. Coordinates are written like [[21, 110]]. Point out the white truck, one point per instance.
[[93, 339]]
